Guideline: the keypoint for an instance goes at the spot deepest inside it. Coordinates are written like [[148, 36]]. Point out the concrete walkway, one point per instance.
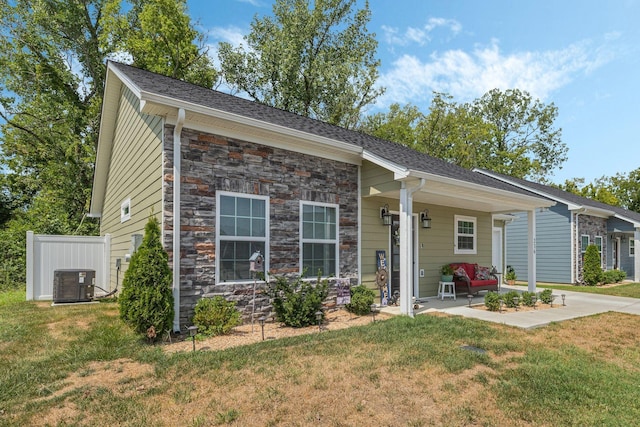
[[578, 304]]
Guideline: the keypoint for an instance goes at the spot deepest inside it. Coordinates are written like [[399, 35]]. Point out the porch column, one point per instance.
[[636, 257], [531, 249], [406, 246]]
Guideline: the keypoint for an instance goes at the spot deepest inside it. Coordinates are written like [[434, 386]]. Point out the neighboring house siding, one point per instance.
[[616, 225], [213, 163], [135, 174], [553, 245]]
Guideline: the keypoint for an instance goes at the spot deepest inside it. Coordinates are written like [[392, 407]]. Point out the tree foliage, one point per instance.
[[506, 132], [52, 57], [146, 299], [599, 190], [316, 59]]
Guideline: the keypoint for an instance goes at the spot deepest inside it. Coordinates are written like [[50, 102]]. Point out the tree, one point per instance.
[[505, 132], [316, 62], [599, 190], [524, 142], [626, 188], [159, 37], [52, 57], [146, 300]]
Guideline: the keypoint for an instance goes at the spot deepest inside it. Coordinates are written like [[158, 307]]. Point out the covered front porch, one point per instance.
[[465, 224]]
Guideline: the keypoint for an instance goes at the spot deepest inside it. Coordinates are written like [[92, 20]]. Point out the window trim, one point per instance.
[[583, 248], [335, 240], [220, 238], [464, 218], [125, 210]]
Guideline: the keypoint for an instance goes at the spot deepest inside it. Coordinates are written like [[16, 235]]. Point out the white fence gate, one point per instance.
[[46, 253]]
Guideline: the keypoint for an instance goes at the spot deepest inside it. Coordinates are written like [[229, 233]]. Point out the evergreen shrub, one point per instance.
[[146, 299], [296, 301], [361, 300], [592, 266]]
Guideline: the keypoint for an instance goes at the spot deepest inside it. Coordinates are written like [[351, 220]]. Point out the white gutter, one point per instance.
[[177, 132]]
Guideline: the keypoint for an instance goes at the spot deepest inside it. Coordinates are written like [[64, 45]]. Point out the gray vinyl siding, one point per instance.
[[553, 245], [135, 173], [626, 261]]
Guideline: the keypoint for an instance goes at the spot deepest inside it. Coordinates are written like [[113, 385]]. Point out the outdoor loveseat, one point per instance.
[[472, 278]]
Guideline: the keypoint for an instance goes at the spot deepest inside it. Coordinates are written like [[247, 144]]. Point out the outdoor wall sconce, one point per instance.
[[385, 214], [261, 320], [424, 218], [193, 331]]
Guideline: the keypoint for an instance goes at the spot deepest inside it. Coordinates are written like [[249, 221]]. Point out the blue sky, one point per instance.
[[582, 55]]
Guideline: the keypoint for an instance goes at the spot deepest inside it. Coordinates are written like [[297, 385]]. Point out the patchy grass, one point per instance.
[[631, 290], [78, 365]]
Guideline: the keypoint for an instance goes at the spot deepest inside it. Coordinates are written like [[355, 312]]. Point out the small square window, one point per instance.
[[125, 210]]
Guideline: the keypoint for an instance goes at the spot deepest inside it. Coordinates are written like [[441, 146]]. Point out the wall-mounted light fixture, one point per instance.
[[385, 214], [424, 218]]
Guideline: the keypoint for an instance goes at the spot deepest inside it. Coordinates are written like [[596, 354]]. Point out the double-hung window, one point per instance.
[[584, 242], [319, 239], [597, 240], [632, 247], [243, 228], [465, 235]]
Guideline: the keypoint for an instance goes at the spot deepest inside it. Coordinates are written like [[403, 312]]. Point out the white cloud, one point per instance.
[[468, 75], [419, 36]]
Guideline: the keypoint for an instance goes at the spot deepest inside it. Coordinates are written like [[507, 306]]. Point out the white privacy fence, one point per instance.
[[46, 254]]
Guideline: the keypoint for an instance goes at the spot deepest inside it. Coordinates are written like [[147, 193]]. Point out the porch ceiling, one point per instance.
[[480, 199]]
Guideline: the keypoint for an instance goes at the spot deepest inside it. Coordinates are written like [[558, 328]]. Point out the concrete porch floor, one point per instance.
[[578, 304]]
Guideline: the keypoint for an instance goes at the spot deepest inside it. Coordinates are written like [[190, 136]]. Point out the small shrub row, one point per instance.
[[614, 276], [513, 299]]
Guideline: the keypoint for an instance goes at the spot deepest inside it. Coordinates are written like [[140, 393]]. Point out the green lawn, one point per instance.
[[79, 365], [631, 290]]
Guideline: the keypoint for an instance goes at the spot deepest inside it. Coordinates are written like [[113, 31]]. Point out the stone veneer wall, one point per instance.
[[211, 163], [591, 226]]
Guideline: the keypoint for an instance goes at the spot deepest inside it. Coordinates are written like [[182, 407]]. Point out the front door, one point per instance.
[[615, 244]]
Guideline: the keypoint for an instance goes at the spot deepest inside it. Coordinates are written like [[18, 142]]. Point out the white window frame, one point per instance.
[[335, 240], [220, 238], [632, 247], [125, 210], [456, 234], [595, 242], [583, 248]]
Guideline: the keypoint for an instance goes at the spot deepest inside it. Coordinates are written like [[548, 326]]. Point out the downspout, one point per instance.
[[177, 155], [576, 270]]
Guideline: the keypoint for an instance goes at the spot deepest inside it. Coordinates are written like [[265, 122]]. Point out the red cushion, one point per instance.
[[469, 268], [483, 282]]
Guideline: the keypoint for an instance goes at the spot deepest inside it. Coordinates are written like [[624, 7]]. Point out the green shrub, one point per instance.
[[296, 301], [591, 267], [361, 300], [216, 316], [527, 298], [492, 301], [545, 296], [146, 299], [511, 299], [613, 276]]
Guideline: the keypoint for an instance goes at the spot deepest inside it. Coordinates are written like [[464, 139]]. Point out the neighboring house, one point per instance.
[[308, 195], [564, 231]]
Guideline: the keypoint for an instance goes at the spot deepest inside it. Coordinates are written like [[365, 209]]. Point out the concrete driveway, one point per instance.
[[578, 304]]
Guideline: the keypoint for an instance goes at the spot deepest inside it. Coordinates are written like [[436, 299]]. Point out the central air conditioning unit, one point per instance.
[[73, 285]]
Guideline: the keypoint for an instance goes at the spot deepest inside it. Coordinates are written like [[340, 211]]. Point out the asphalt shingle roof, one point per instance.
[[558, 194], [393, 152]]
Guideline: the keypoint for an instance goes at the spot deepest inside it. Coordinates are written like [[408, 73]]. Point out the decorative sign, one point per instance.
[[382, 277], [343, 288]]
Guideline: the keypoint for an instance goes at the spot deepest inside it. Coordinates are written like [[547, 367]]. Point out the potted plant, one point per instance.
[[446, 272], [511, 276]]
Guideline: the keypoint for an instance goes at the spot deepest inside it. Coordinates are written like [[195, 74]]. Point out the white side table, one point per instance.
[[446, 289]]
